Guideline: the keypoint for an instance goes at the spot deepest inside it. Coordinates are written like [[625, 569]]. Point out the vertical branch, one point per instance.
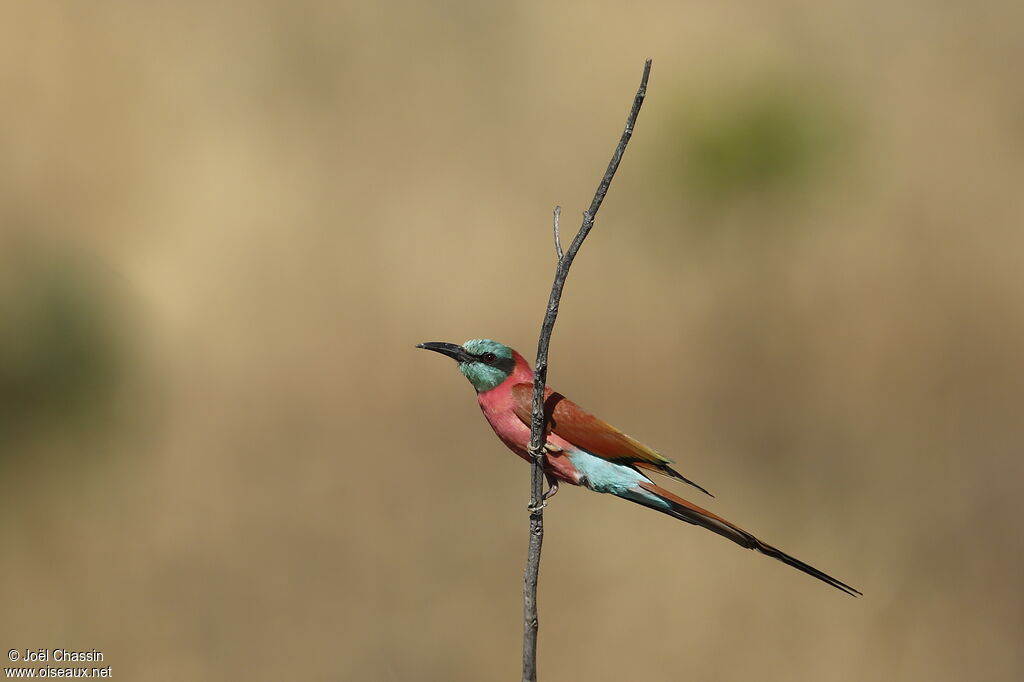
[[540, 379]]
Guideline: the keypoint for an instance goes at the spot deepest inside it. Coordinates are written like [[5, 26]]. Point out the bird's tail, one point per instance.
[[655, 497]]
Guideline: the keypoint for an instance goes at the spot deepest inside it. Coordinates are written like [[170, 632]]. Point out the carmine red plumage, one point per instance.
[[500, 405]]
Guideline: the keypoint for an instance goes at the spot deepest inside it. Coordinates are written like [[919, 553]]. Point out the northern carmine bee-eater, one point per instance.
[[583, 450]]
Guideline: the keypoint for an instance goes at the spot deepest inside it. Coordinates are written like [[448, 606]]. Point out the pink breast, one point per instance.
[[497, 405]]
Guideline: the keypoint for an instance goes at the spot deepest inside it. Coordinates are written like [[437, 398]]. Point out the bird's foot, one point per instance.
[[548, 494], [552, 489]]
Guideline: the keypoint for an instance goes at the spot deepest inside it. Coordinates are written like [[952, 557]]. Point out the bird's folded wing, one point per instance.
[[569, 421]]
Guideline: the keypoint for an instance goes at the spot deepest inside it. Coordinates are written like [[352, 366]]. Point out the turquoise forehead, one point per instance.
[[481, 346]]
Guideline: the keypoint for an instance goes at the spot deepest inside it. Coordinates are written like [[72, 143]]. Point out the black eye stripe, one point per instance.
[[488, 357]]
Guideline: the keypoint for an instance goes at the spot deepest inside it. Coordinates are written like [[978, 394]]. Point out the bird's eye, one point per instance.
[[488, 357]]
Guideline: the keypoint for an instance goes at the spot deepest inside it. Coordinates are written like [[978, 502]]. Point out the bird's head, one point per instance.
[[484, 362]]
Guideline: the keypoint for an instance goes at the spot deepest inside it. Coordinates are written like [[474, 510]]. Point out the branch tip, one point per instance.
[[558, 235]]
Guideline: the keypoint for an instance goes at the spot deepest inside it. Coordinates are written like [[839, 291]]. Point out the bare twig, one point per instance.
[[540, 379], [558, 234]]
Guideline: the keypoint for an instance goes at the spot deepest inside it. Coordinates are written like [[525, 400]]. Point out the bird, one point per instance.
[[582, 450]]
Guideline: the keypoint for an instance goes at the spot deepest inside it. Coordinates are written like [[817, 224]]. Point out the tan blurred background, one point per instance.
[[223, 229]]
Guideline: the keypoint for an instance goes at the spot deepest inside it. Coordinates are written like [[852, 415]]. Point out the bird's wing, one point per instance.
[[569, 421]]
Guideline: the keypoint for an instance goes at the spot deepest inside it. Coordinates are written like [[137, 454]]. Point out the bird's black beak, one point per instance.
[[454, 351]]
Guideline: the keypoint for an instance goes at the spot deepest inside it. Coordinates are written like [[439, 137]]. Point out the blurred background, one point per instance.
[[224, 227]]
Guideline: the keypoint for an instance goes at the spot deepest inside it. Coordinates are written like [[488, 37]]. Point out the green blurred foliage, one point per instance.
[[752, 141], [59, 351]]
